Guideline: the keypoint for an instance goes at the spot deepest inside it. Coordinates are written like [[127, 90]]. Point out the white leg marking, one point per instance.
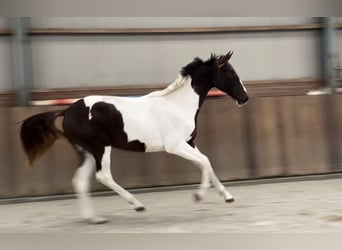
[[193, 154], [105, 177], [81, 183], [217, 183]]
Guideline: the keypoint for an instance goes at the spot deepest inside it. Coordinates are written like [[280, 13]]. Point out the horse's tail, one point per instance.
[[38, 133]]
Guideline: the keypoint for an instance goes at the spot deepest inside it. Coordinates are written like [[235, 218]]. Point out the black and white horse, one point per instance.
[[162, 120]]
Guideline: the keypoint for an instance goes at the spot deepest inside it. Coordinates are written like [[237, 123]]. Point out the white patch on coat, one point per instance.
[[243, 86], [159, 119], [105, 177]]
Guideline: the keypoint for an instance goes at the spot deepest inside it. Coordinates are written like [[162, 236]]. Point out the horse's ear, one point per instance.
[[222, 60], [229, 55]]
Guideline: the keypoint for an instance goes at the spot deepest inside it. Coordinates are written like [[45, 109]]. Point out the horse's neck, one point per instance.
[[184, 96]]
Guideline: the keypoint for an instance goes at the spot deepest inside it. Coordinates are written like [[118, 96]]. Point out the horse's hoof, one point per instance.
[[140, 209], [97, 220], [230, 200], [197, 197]]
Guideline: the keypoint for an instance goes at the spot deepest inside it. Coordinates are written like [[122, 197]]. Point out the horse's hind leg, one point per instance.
[[104, 176], [81, 182]]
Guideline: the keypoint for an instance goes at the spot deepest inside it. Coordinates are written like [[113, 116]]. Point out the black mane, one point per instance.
[[196, 63]]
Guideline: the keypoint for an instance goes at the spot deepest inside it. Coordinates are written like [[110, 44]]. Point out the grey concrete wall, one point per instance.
[[122, 60], [3, 22], [76, 61], [133, 60]]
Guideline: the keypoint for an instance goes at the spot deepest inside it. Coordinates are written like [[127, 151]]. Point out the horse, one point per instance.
[[163, 120]]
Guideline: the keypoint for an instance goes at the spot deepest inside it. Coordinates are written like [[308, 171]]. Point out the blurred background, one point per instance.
[[291, 67]]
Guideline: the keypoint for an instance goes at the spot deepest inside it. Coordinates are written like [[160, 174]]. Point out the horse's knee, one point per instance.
[[205, 161], [102, 177], [80, 185]]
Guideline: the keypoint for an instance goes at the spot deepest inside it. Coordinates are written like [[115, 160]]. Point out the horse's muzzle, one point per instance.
[[242, 102]]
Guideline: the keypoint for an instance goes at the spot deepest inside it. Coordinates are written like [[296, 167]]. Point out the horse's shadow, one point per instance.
[[139, 221]]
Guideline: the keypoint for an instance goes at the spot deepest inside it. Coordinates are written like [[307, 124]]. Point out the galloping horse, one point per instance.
[[163, 120]]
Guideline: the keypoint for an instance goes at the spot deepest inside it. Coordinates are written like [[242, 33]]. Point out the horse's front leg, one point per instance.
[[217, 183], [193, 154]]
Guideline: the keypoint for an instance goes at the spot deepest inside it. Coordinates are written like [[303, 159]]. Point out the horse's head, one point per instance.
[[228, 81]]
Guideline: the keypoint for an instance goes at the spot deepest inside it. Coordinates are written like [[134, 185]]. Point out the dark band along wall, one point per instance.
[[271, 136]]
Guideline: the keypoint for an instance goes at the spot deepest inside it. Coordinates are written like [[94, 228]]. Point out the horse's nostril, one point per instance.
[[243, 101]]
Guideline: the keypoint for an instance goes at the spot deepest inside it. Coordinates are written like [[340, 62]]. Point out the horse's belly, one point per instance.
[[143, 128]]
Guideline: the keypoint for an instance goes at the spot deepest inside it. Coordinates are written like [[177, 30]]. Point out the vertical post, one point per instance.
[[328, 53], [21, 55], [330, 113]]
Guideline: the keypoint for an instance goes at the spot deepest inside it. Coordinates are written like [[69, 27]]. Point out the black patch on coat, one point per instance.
[[105, 128], [215, 72], [202, 75], [193, 135]]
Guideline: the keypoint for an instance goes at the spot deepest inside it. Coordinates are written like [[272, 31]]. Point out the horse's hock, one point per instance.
[[271, 136]]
